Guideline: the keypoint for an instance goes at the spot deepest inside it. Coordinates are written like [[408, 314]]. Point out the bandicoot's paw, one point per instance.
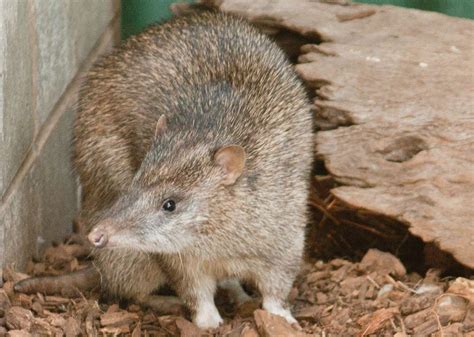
[[208, 319], [275, 307]]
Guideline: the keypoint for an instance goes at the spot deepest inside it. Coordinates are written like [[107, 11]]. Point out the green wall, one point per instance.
[[137, 14], [461, 8]]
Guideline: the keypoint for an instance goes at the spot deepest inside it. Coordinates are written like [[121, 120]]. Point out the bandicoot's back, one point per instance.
[[193, 69], [193, 142]]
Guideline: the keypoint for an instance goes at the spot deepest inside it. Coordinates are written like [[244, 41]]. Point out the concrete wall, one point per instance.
[[45, 47]]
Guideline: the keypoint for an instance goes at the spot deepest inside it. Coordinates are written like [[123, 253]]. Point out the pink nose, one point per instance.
[[98, 238]]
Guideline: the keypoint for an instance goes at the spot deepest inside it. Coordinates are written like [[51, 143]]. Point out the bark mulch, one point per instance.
[[373, 297]]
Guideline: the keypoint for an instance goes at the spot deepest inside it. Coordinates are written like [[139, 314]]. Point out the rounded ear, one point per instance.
[[161, 126], [231, 159]]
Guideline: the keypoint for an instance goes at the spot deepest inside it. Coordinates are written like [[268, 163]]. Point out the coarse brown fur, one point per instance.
[[219, 82]]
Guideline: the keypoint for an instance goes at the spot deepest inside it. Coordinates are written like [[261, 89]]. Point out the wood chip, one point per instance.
[[116, 330], [463, 287], [137, 331], [56, 320], [427, 327], [40, 327], [18, 333], [418, 318], [73, 327], [134, 308], [309, 313], [415, 304], [113, 308], [90, 326], [451, 308], [37, 308], [317, 275], [188, 329], [9, 274], [371, 323], [118, 318], [22, 300], [4, 302], [383, 263], [269, 325], [18, 318], [55, 300], [248, 331]]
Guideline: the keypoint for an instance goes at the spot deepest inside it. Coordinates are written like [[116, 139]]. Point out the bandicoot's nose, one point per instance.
[[98, 238]]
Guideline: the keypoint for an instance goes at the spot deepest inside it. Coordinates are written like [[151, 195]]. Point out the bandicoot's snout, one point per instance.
[[98, 237]]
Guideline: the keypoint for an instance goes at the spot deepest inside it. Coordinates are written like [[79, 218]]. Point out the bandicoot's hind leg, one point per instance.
[[173, 304], [235, 289], [68, 285], [72, 284], [165, 305]]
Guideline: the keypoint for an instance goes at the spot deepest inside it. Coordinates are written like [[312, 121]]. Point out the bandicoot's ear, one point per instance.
[[231, 159], [161, 125]]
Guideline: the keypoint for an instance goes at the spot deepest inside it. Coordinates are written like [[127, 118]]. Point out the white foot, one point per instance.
[[233, 286], [274, 306], [207, 316]]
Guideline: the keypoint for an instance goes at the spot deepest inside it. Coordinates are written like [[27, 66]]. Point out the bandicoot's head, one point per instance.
[[168, 204]]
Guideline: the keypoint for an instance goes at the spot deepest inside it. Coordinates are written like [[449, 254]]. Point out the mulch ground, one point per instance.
[[374, 297]]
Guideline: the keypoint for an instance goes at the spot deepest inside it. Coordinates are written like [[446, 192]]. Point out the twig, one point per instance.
[[400, 284], [440, 327], [402, 325], [332, 203], [329, 199], [364, 227], [373, 281], [392, 322], [323, 210]]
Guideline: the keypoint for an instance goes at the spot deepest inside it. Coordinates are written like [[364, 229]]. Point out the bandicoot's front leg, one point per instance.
[[69, 285], [197, 292]]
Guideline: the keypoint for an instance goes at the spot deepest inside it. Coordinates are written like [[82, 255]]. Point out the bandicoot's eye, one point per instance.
[[169, 205]]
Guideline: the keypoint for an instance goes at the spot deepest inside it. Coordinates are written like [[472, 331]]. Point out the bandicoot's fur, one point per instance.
[[217, 82]]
